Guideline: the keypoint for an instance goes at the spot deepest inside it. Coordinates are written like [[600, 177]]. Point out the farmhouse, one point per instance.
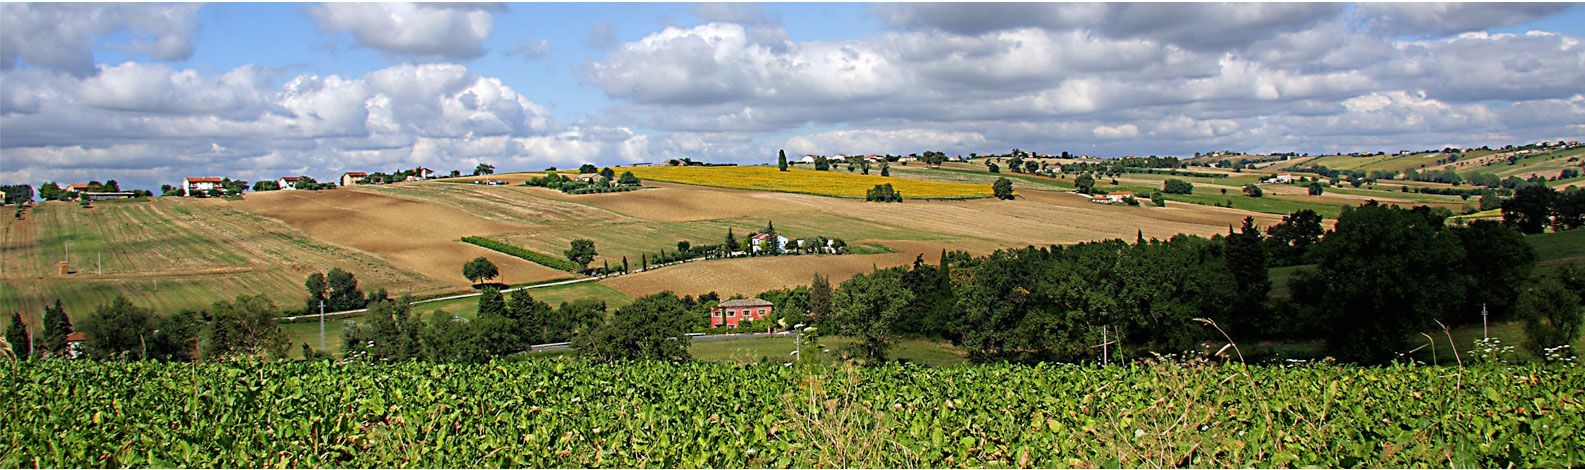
[[77, 187], [809, 159], [1280, 178], [1112, 197], [351, 178], [760, 239], [200, 185], [735, 311], [74, 344], [588, 177], [421, 173], [288, 183]]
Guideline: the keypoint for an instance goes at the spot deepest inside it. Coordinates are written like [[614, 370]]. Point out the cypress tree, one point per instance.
[[56, 326], [19, 337]]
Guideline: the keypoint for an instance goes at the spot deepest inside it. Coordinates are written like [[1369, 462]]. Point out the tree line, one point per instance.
[[1381, 275]]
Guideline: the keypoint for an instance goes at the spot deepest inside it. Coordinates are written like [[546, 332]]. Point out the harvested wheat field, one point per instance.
[[168, 254], [417, 235], [798, 180], [749, 276]]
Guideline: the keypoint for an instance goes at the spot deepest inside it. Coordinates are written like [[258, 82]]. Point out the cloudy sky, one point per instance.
[[148, 93]]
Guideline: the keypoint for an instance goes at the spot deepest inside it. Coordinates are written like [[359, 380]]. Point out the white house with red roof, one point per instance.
[[200, 185]]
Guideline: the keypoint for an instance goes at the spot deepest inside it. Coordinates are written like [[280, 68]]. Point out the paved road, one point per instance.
[[442, 299]]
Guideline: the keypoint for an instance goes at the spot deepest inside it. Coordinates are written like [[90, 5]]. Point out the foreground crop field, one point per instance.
[[564, 413], [168, 254], [798, 180]]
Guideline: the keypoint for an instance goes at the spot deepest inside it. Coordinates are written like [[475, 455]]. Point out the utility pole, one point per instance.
[[321, 326], [1106, 358], [1484, 331]]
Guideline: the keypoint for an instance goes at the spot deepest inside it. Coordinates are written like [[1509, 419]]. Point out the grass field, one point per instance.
[[168, 254], [798, 180], [1559, 247], [778, 349]]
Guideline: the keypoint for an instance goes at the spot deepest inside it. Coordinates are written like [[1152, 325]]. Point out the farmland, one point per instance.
[[169, 254], [567, 413], [798, 180]]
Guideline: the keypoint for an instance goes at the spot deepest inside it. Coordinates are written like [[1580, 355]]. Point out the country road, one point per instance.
[[442, 299], [697, 338]]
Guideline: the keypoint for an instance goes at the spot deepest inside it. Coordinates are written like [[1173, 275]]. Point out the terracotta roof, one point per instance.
[[202, 179], [76, 336], [355, 173], [1120, 193], [77, 186], [291, 178], [747, 303]]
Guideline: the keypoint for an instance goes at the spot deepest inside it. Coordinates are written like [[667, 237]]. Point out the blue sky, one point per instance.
[[148, 93]]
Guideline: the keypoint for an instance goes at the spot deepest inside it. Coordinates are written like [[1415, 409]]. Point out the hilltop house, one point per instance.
[[760, 239], [421, 173], [591, 178], [351, 178], [200, 185], [1280, 178], [735, 311], [77, 187], [288, 183]]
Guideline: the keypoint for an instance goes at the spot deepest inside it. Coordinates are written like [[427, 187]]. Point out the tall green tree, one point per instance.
[[781, 159], [1002, 188], [246, 327], [1085, 183], [1530, 209], [1382, 274], [1245, 252], [731, 244], [57, 325], [1498, 262], [118, 329], [653, 327], [869, 308], [318, 291], [491, 302], [177, 337], [1552, 314], [344, 291], [581, 253], [479, 270], [1288, 242], [530, 317], [18, 336], [819, 299]]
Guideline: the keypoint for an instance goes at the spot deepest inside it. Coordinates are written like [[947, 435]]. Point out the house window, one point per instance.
[[762, 311], [731, 313]]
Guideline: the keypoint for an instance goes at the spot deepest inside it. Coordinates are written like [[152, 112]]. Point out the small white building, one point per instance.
[[288, 183], [199, 185], [1280, 178]]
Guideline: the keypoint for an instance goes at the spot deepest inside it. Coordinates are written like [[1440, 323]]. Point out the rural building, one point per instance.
[[351, 178], [77, 187], [421, 173], [1112, 197], [760, 239], [809, 159], [288, 183], [735, 311], [74, 344], [201, 185], [589, 178], [1280, 178]]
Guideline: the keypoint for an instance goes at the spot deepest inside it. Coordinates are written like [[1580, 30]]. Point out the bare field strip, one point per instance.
[[170, 254], [423, 237]]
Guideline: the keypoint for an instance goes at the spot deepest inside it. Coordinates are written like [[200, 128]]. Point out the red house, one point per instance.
[[733, 311]]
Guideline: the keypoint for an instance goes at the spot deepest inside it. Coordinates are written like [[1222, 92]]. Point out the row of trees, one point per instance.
[[1383, 274], [241, 328], [1535, 207]]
